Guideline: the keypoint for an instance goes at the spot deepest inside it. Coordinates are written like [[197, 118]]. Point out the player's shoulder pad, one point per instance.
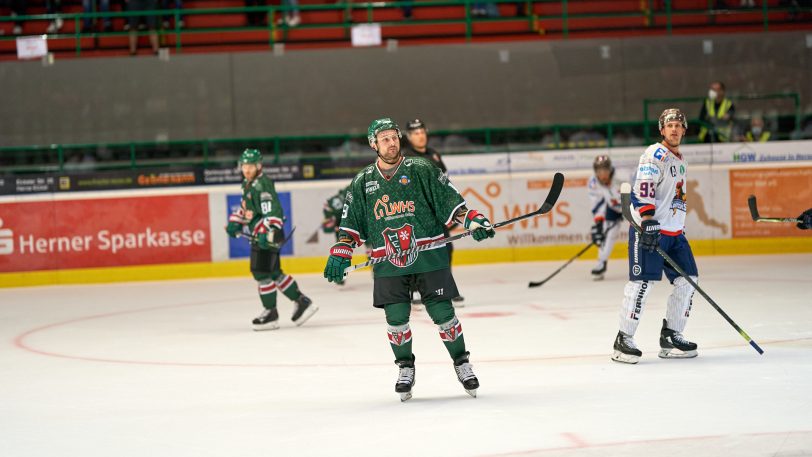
[[366, 171], [419, 164], [657, 152]]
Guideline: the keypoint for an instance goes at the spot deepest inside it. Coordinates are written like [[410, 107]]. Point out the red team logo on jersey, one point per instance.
[[680, 198], [399, 240]]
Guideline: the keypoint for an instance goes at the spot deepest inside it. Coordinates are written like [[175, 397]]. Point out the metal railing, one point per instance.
[[283, 150], [540, 23], [695, 124]]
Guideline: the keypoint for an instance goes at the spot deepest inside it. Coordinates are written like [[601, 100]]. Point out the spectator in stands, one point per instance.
[[151, 21], [716, 116], [255, 19], [178, 5], [54, 7], [407, 10], [757, 133], [290, 17], [18, 8], [484, 9], [88, 7]]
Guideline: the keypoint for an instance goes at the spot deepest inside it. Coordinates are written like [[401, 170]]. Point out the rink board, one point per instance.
[[170, 233]]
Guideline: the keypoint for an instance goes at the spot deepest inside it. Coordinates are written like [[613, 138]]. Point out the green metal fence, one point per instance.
[[283, 150], [754, 103], [536, 23]]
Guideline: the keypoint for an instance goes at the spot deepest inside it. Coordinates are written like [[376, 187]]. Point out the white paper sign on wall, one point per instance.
[[366, 35], [32, 47]]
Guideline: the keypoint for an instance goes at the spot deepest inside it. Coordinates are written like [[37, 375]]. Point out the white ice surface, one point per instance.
[[174, 369]]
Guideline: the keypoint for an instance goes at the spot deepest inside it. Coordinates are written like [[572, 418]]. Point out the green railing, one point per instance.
[[536, 23], [691, 104], [284, 150]]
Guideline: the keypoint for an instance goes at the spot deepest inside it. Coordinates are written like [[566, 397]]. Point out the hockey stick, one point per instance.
[[546, 207], [625, 197], [253, 239], [581, 252], [751, 202]]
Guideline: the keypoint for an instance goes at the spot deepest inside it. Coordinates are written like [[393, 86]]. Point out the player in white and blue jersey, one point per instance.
[[659, 206]]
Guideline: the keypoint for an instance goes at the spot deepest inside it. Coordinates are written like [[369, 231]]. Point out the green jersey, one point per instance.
[[262, 207], [411, 208], [332, 210]]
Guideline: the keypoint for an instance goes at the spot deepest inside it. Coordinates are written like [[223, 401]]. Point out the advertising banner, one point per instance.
[[104, 232], [780, 192]]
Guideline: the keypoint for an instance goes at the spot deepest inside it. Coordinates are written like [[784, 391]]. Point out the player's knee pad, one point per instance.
[[266, 286], [441, 311], [636, 293], [399, 334], [451, 330], [683, 291], [397, 313]]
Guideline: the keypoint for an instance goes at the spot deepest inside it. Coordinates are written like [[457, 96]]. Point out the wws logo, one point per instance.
[[383, 207], [399, 240], [6, 240]]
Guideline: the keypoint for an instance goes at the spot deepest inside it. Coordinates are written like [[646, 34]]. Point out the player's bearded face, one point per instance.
[[673, 132], [389, 146], [249, 171]]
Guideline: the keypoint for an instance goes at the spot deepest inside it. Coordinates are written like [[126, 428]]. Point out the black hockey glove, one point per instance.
[[598, 237], [650, 236], [806, 220]]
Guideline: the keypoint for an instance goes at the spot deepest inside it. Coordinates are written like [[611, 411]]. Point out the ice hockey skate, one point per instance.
[[598, 271], [465, 374], [673, 344], [304, 310], [405, 381], [625, 349], [268, 320]]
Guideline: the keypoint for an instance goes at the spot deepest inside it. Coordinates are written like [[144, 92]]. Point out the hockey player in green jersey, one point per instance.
[[332, 210], [260, 214], [398, 203]]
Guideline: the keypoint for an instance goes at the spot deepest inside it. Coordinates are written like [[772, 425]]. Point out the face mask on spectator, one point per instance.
[[756, 130], [712, 94]]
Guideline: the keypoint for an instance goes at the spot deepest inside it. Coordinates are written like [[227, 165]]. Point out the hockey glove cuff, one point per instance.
[[806, 220], [339, 260], [650, 237], [479, 224], [598, 237], [236, 221]]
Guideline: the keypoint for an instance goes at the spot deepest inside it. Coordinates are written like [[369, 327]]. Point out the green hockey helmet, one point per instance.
[[379, 125], [250, 156]]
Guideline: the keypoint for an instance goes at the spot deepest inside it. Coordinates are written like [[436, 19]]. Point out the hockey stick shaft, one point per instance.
[[579, 254], [253, 239], [546, 207], [751, 202], [625, 197]]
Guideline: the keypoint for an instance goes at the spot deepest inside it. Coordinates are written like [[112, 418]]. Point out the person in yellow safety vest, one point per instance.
[[716, 116], [756, 133]]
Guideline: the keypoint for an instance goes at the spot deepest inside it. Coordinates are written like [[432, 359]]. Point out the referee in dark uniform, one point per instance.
[[418, 136]]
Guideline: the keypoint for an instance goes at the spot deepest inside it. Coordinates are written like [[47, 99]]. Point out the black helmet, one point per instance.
[[415, 124], [602, 161]]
